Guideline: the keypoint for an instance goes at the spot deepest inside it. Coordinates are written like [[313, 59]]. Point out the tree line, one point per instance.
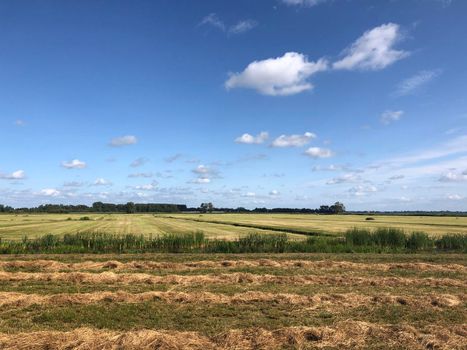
[[130, 207]]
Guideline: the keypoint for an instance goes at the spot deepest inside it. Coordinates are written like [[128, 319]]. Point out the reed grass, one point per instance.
[[354, 240]]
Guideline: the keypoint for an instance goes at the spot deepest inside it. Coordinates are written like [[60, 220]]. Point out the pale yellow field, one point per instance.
[[217, 225], [433, 225]]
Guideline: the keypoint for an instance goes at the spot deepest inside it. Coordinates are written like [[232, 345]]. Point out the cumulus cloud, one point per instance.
[[280, 76], [374, 50], [139, 162], [293, 140], [74, 164], [15, 175], [243, 26], [412, 84], [102, 182], [123, 141], [50, 192], [318, 152], [250, 139], [388, 117]]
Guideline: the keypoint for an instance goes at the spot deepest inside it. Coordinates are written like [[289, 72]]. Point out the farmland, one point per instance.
[[222, 226], [227, 301], [295, 301]]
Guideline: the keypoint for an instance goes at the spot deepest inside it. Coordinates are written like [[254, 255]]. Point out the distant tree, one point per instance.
[[337, 208], [130, 208], [206, 207]]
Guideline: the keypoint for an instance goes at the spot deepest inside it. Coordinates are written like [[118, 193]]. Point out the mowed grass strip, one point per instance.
[[215, 321], [433, 225], [53, 265], [326, 301]]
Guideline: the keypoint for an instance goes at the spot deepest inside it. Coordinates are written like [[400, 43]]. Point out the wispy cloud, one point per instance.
[[243, 26], [293, 140], [102, 182], [123, 141], [214, 21], [74, 164], [415, 82], [388, 117], [374, 50], [16, 175], [139, 162], [308, 3]]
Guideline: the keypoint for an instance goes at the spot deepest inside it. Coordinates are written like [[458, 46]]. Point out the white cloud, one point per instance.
[[173, 158], [102, 182], [16, 175], [74, 164], [250, 139], [344, 179], [141, 175], [123, 141], [274, 193], [243, 26], [201, 180], [308, 3], [50, 192], [454, 197], [285, 75], [410, 85], [391, 116], [73, 184], [20, 122], [213, 20], [293, 140], [318, 152], [147, 187], [453, 177], [204, 174], [374, 50], [139, 162], [361, 190]]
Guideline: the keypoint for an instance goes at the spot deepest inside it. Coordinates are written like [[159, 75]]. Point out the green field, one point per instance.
[[222, 226]]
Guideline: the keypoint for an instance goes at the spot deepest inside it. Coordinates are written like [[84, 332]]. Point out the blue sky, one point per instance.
[[276, 103]]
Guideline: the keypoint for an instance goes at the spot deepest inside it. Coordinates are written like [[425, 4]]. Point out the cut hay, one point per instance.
[[327, 301], [344, 335], [55, 266], [237, 277]]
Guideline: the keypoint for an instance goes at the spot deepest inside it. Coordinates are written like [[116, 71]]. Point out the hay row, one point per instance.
[[55, 266], [237, 277], [347, 300], [343, 335]]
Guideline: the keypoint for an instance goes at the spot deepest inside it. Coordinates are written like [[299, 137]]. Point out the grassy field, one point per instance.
[[224, 226], [283, 301]]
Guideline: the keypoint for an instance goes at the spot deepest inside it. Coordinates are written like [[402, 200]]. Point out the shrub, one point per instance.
[[85, 218]]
